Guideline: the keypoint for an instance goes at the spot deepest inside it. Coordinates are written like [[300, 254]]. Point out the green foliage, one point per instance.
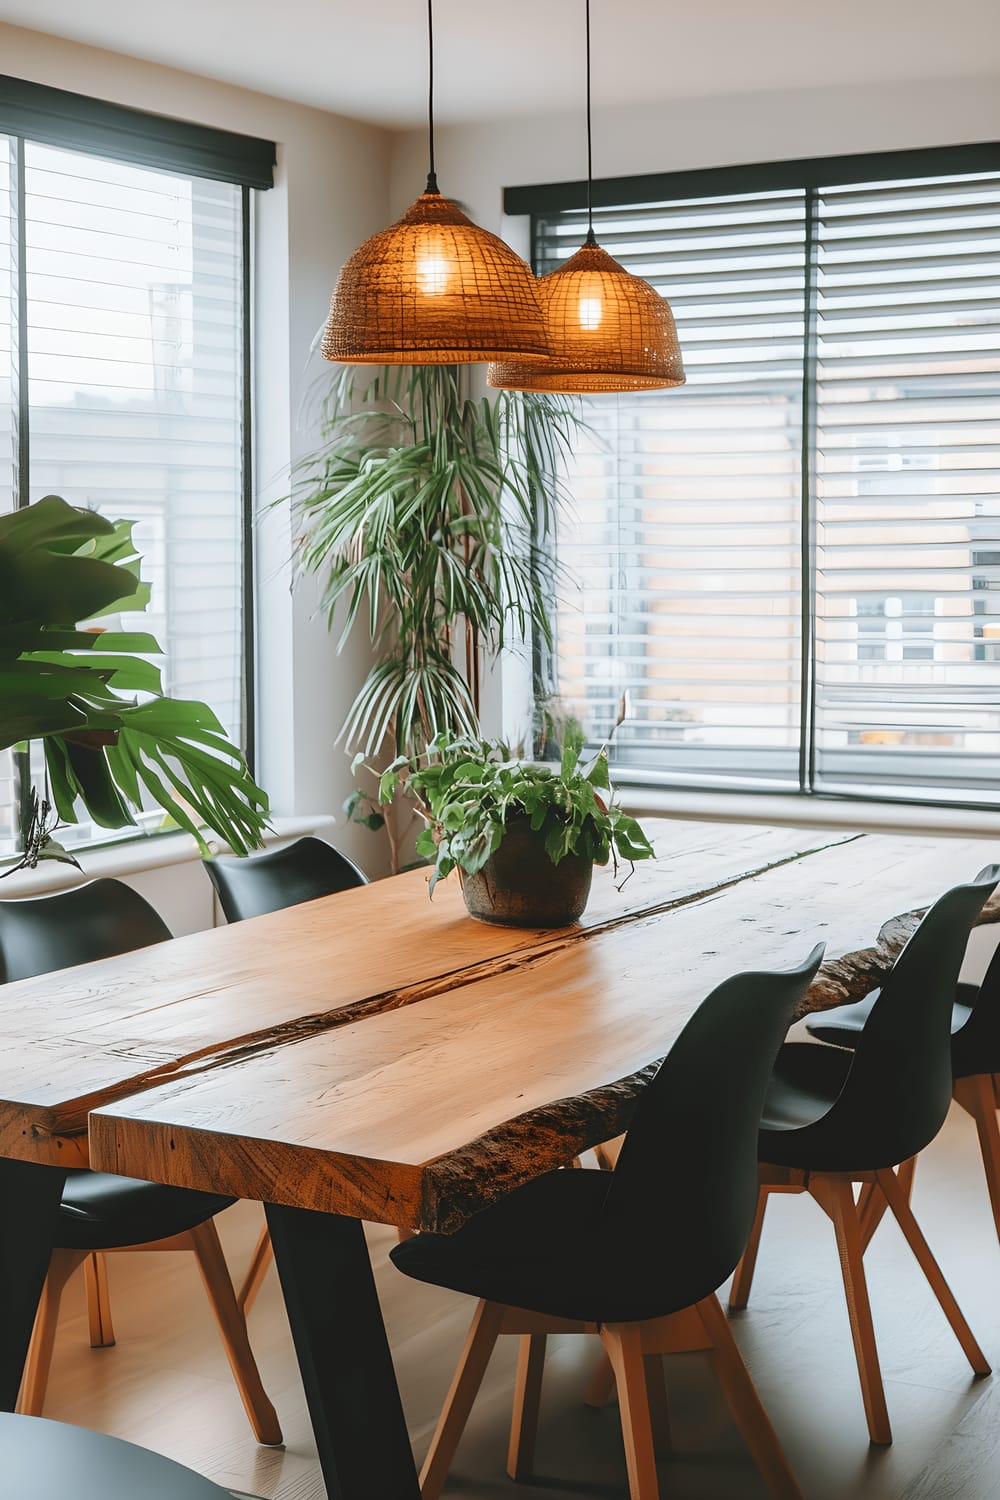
[[427, 514], [75, 688], [359, 808], [471, 789]]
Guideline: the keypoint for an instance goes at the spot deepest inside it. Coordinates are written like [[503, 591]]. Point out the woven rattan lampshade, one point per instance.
[[608, 331], [435, 289]]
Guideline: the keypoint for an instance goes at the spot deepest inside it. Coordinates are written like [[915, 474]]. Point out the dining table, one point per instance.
[[378, 1055]]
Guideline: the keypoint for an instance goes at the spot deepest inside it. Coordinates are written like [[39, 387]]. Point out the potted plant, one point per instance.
[[93, 699], [428, 515], [524, 836]]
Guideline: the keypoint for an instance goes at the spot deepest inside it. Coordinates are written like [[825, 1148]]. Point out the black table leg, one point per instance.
[[343, 1354], [30, 1195]]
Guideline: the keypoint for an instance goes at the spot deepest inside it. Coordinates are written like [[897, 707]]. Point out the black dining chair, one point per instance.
[[47, 1460], [303, 871], [101, 1212], [634, 1255], [975, 1058], [834, 1118]]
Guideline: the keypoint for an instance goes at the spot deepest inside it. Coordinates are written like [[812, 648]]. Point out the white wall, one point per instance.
[[475, 162], [330, 193]]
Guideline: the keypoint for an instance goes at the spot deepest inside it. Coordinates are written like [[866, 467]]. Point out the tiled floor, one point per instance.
[[166, 1383]]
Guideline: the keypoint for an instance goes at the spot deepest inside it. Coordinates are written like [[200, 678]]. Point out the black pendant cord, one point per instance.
[[432, 185], [590, 240]]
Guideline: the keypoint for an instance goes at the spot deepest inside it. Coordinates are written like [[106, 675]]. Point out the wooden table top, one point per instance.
[[85, 1036], [420, 1113]]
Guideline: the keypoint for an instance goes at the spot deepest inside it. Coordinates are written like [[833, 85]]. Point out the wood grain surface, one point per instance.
[[423, 1113], [88, 1035]]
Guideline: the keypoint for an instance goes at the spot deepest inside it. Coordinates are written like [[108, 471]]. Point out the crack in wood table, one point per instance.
[[375, 1056]]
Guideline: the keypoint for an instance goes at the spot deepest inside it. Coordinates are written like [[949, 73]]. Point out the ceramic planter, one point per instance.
[[519, 886]]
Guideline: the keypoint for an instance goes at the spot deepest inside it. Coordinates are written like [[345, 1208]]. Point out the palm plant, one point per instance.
[[94, 700], [428, 514]]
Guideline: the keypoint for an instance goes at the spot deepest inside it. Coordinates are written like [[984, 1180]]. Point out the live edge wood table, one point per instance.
[[375, 1056]]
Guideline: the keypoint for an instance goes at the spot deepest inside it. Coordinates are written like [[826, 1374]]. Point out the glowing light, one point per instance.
[[433, 275], [591, 312]]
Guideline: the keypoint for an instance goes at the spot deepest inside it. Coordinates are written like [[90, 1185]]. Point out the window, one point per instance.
[[123, 370], [787, 572]]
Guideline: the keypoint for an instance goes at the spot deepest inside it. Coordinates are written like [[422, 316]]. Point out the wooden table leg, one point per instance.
[[343, 1354], [30, 1195]]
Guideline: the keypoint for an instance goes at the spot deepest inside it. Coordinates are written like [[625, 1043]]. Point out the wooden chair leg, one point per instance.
[[977, 1096], [36, 1369], [623, 1342], [233, 1330], [739, 1292], [872, 1208], [903, 1214], [873, 1204], [527, 1397], [259, 1263], [837, 1198], [659, 1405], [465, 1384], [745, 1404], [102, 1332], [602, 1383]]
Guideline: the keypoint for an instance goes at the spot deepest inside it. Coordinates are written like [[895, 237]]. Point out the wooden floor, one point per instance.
[[166, 1384]]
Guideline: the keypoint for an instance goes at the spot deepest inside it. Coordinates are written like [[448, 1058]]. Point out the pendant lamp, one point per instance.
[[608, 330], [435, 289]]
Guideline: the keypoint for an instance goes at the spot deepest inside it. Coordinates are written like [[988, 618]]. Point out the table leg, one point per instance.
[[343, 1354], [30, 1195]]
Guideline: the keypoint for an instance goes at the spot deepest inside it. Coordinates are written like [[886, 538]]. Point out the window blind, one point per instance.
[[132, 354], [135, 365], [681, 580], [908, 485], [787, 572]]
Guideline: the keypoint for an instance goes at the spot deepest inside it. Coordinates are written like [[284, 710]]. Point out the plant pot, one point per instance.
[[519, 886]]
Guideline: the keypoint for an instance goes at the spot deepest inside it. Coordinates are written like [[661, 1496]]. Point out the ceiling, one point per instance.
[[502, 58]]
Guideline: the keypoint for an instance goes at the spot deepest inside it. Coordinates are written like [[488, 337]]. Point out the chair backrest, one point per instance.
[[690, 1155], [898, 1090], [976, 1047], [302, 871], [97, 920]]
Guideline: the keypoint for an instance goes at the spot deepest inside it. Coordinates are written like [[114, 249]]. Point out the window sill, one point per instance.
[[138, 855], [809, 812]]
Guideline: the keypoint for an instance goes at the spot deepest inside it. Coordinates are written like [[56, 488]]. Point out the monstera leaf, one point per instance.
[[92, 698]]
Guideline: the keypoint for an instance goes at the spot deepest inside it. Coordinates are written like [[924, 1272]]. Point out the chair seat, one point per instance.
[[843, 1024], [53, 1461], [541, 1248], [806, 1081], [100, 1211]]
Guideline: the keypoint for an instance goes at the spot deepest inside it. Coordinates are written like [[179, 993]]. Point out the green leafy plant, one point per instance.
[[470, 790], [108, 732], [428, 514]]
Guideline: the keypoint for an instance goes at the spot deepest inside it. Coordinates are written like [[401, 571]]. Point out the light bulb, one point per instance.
[[591, 310], [433, 275]]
